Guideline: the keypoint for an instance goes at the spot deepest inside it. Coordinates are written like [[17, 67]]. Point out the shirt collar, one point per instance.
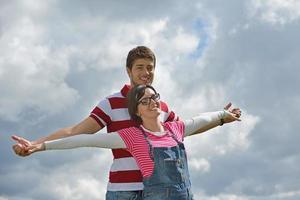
[[159, 134], [125, 90]]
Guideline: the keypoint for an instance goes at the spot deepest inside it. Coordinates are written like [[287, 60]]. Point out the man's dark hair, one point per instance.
[[138, 53], [133, 97]]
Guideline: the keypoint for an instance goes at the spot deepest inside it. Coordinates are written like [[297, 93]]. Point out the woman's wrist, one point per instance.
[[221, 117], [43, 147], [40, 147]]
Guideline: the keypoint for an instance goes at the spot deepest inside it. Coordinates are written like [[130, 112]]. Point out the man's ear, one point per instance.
[[128, 71]]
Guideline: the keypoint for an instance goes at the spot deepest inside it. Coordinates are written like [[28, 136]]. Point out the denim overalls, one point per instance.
[[170, 178]]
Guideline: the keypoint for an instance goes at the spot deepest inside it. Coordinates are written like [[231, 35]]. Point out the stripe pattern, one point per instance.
[[139, 148], [112, 113]]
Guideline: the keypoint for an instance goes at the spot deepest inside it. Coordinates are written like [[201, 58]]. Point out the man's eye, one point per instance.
[[150, 68]]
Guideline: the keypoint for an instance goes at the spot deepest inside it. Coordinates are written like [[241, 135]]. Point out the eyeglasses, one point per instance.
[[147, 100]]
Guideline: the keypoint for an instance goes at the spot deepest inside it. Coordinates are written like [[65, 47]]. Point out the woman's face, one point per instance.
[[149, 105]]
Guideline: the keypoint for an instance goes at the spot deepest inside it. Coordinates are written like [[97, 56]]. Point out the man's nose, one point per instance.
[[145, 71]]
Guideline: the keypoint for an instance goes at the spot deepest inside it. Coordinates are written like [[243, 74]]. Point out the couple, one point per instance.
[[157, 147]]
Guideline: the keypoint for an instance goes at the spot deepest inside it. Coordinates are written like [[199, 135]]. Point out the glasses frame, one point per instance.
[[147, 100]]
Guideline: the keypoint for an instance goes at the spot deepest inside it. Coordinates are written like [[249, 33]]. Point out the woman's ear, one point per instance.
[[138, 114]]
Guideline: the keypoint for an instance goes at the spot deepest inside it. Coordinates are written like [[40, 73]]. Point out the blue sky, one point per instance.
[[59, 58]]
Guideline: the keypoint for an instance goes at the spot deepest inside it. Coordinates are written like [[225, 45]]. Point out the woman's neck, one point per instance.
[[153, 125]]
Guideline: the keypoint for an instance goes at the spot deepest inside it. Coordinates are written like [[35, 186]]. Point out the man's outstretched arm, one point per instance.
[[87, 126]]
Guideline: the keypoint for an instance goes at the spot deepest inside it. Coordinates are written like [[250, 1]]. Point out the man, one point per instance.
[[125, 179]]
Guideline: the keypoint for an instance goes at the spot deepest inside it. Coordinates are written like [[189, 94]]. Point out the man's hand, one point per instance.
[[231, 114]]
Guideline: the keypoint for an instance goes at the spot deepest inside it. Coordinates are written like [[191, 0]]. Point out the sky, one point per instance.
[[58, 59]]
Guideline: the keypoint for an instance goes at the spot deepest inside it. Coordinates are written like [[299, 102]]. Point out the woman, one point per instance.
[[157, 147]]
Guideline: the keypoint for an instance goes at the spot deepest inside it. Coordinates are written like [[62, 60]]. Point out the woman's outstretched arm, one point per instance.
[[100, 140], [209, 120]]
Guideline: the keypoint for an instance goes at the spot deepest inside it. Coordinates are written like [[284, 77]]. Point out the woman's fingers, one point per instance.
[[20, 147], [228, 106], [236, 118]]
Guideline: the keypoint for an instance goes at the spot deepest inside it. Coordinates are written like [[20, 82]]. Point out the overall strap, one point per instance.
[[149, 144], [173, 136]]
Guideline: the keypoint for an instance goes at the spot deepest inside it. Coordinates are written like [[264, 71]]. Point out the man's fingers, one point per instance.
[[227, 106], [17, 149], [20, 140], [16, 138]]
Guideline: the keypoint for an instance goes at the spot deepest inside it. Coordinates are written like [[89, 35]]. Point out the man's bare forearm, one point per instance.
[[87, 126]]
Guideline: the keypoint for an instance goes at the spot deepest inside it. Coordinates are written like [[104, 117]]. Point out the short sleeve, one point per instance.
[[177, 128], [101, 113], [128, 135]]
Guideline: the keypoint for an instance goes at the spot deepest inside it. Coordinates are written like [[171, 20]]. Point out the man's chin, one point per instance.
[[143, 83]]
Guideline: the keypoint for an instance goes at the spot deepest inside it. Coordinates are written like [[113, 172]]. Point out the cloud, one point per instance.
[[30, 57], [201, 165], [276, 12], [59, 58], [73, 174], [29, 69]]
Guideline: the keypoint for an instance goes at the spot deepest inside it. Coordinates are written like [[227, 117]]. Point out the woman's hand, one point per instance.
[[24, 147], [231, 115]]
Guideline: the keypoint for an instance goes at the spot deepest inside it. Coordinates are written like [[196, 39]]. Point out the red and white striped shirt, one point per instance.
[[112, 112], [139, 148]]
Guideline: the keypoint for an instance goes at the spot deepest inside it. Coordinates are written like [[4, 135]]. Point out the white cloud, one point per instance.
[[43, 45], [87, 187], [86, 178], [205, 98], [29, 70], [222, 197], [287, 194], [276, 11], [238, 133], [32, 74], [227, 139], [40, 68], [199, 165], [78, 177]]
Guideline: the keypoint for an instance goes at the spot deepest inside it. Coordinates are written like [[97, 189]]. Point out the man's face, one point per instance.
[[142, 72]]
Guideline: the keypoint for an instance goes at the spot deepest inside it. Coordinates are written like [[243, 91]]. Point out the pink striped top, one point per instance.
[[138, 147]]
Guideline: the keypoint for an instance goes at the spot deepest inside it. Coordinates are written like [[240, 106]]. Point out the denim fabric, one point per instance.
[[124, 195], [170, 179], [176, 192]]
